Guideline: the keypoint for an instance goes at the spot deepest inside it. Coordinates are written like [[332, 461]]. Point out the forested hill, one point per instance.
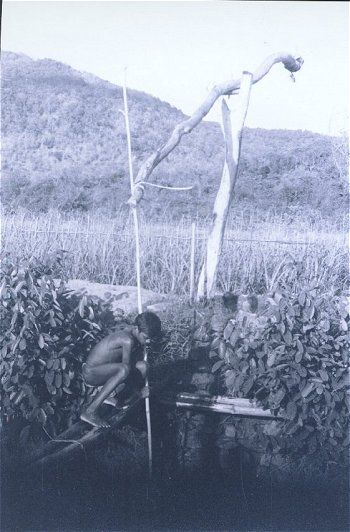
[[64, 146]]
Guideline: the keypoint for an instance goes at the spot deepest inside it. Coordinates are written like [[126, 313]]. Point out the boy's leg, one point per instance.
[[112, 399], [137, 374], [111, 376], [142, 367]]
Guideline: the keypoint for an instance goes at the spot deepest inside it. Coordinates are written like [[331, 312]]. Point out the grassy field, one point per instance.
[[258, 255]]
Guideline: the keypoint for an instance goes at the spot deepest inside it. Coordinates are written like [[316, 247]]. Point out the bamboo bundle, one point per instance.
[[235, 406]]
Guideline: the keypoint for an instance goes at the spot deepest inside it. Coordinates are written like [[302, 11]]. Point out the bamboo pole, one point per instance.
[[138, 270]]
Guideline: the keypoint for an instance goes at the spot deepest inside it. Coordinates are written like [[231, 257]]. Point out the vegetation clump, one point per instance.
[[46, 332], [294, 360]]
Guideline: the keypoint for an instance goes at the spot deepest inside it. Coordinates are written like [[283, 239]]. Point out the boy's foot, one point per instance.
[[138, 394], [93, 419], [112, 401]]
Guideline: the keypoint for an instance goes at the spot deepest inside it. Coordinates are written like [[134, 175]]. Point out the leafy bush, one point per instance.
[[46, 332], [294, 360]]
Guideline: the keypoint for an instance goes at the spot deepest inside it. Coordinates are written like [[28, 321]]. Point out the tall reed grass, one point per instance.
[[257, 256]]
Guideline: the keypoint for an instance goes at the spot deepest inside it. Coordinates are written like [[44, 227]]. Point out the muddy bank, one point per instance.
[[202, 480], [107, 489], [83, 498]]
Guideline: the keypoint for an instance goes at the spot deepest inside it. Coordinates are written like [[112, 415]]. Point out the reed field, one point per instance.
[[258, 255]]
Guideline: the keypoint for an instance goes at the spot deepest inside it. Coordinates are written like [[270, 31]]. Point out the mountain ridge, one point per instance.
[[62, 128]]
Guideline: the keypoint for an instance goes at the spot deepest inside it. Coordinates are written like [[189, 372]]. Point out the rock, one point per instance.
[[158, 307], [122, 298]]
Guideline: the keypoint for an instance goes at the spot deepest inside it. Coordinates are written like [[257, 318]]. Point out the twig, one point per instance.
[[64, 441]]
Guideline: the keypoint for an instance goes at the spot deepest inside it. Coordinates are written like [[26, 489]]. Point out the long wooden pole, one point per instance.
[[138, 270]]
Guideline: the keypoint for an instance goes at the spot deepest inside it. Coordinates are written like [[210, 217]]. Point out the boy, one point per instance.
[[111, 361]]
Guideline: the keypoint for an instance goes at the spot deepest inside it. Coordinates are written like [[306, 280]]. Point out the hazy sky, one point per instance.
[[178, 50]]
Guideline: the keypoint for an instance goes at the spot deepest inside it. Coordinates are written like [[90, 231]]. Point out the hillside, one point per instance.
[[64, 146]]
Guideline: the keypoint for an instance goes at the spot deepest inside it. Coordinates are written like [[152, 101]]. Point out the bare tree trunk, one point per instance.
[[232, 135], [226, 88]]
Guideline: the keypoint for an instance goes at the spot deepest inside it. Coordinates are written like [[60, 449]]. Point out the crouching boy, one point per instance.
[[112, 360]]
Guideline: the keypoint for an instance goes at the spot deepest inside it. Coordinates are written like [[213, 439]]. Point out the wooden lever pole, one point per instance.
[[138, 271]]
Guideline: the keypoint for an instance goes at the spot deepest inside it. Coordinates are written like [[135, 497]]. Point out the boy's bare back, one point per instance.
[[111, 348]]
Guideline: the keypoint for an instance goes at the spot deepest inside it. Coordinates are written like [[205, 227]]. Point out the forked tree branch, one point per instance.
[[186, 126]]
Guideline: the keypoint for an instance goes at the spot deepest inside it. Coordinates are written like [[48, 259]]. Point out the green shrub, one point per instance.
[[294, 360], [46, 332]]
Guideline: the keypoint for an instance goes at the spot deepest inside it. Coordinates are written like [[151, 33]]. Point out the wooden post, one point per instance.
[[192, 266], [232, 135]]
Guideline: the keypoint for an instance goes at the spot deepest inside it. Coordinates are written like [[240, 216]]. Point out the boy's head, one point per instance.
[[149, 324]]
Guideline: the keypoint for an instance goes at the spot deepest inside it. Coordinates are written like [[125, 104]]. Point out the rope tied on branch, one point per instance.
[[141, 187]]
